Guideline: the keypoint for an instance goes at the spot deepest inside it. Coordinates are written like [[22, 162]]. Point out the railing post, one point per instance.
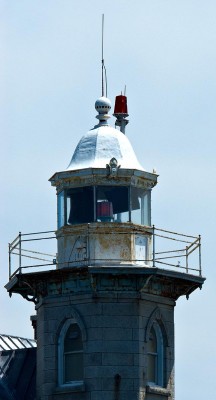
[[88, 247], [95, 203], [153, 245], [130, 203], [200, 266], [20, 249], [9, 255], [186, 259]]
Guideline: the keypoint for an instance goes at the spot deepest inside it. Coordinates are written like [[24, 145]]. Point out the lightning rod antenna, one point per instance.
[[104, 74], [102, 62]]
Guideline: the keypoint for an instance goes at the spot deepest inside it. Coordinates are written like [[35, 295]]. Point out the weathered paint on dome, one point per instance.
[[99, 145]]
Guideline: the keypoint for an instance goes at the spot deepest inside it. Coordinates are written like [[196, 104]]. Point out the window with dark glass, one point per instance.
[[140, 206], [73, 355], [104, 204], [155, 356], [80, 205]]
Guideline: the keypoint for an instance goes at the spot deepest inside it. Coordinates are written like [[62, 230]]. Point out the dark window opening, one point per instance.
[[80, 205], [73, 355]]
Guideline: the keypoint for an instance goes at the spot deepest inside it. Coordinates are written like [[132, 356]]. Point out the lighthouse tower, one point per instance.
[[105, 314]]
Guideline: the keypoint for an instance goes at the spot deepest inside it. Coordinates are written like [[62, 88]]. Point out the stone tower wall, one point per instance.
[[114, 328]]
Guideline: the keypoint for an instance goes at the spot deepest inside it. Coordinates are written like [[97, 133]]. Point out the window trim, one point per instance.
[[61, 357], [159, 356]]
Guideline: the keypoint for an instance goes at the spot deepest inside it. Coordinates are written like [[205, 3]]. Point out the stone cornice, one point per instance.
[[98, 281]]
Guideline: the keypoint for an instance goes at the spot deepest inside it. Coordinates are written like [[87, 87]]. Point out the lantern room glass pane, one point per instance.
[[112, 204], [140, 206], [61, 209], [80, 205]]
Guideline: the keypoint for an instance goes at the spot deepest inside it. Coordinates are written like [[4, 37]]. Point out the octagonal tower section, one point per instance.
[[104, 201]]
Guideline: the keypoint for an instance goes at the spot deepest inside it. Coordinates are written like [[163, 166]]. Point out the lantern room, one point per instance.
[[104, 203], [105, 189]]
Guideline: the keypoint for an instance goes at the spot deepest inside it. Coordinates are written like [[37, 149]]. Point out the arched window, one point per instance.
[[155, 356], [70, 354]]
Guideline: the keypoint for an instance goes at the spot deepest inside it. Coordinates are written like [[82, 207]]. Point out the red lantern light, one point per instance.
[[105, 210], [121, 105]]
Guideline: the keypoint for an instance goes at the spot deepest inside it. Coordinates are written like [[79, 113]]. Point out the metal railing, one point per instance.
[[167, 257], [16, 248], [164, 255]]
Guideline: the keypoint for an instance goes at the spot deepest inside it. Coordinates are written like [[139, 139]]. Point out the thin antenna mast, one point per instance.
[[104, 74], [102, 62]]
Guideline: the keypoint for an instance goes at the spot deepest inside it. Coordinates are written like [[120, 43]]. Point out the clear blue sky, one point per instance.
[[164, 51]]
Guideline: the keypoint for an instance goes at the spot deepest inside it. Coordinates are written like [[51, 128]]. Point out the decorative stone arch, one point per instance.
[[157, 316], [72, 315]]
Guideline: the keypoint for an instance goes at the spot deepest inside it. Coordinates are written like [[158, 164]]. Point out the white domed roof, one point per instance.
[[99, 146]]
